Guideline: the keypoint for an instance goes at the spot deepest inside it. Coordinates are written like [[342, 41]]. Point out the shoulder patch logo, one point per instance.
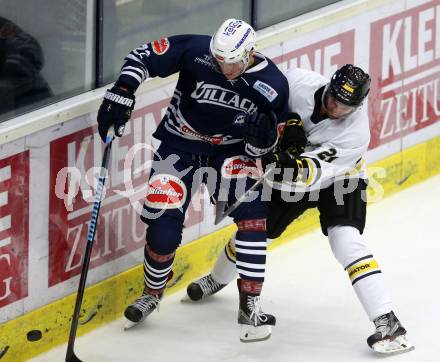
[[266, 90], [160, 46]]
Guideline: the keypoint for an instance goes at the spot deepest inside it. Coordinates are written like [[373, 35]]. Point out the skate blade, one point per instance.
[[187, 299], [250, 333], [129, 324], [387, 347]]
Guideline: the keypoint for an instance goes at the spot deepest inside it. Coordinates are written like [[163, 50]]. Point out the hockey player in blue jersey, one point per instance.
[[223, 115]]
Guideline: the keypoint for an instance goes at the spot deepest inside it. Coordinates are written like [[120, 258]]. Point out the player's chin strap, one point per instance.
[[220, 206]]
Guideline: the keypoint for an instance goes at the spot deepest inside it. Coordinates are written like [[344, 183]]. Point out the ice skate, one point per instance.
[[140, 309], [202, 288], [390, 336], [255, 325]]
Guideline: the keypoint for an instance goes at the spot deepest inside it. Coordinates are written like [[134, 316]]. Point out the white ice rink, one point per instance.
[[318, 315]]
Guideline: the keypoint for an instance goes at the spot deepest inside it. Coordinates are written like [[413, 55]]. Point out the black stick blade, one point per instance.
[[71, 357], [219, 211]]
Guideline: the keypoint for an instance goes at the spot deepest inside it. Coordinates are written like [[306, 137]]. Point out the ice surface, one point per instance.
[[319, 317]]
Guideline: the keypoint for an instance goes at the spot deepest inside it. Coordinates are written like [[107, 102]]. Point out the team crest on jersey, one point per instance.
[[266, 90], [165, 191], [160, 46], [239, 167], [239, 119]]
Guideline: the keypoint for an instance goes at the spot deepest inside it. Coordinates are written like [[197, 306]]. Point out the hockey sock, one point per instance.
[[250, 249], [156, 270], [371, 291], [350, 248], [249, 286], [225, 270]]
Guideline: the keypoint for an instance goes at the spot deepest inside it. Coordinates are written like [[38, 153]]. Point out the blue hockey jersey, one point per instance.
[[207, 112]]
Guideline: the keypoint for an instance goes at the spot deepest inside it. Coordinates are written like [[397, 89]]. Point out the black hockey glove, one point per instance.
[[115, 110], [260, 133], [282, 159], [294, 168], [293, 134], [291, 144]]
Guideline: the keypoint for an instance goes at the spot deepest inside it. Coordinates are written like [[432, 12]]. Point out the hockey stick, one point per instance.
[[70, 354], [221, 213]]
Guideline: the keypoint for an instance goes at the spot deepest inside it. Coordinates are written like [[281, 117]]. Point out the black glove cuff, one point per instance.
[[120, 96], [124, 85]]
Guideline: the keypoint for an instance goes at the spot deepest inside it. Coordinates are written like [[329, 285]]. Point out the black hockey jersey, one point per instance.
[[207, 112]]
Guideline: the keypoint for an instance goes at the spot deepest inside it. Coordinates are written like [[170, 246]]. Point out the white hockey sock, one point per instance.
[[350, 249], [225, 270], [373, 295]]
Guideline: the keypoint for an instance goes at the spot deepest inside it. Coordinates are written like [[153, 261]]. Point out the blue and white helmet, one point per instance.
[[233, 42]]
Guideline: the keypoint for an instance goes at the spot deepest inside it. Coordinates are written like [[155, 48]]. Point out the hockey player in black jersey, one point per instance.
[[223, 115], [327, 173]]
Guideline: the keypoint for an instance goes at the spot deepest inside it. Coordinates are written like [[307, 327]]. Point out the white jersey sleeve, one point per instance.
[[329, 161]]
